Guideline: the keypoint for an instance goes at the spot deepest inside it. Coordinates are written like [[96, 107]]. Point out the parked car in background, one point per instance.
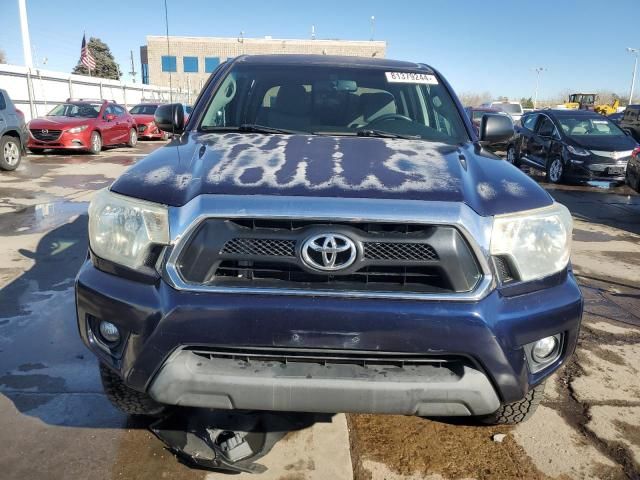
[[328, 236], [616, 117], [514, 109], [13, 133], [631, 121], [83, 125], [147, 128], [475, 114], [633, 170], [187, 111], [577, 145]]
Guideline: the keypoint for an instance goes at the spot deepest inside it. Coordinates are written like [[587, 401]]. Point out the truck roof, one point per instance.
[[331, 60]]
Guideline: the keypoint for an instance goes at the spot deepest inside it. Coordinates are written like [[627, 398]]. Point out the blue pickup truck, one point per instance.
[[328, 234]]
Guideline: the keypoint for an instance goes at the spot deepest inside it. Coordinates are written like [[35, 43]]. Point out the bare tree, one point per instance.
[[474, 99]]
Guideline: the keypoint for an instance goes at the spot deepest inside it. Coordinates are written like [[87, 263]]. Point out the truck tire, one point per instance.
[[516, 412], [126, 399], [10, 153]]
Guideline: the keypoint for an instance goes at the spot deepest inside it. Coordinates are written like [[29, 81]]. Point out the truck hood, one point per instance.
[[328, 166], [58, 123]]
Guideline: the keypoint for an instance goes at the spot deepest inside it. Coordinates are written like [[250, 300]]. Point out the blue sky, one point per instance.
[[490, 45]]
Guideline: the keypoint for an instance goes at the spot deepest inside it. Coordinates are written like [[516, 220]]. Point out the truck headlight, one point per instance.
[[538, 242], [79, 129], [124, 229]]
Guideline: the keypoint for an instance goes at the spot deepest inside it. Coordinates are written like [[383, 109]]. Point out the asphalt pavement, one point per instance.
[[57, 424]]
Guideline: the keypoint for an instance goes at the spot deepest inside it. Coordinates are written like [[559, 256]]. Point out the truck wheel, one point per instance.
[[555, 170], [95, 143], [10, 153], [126, 399], [516, 412]]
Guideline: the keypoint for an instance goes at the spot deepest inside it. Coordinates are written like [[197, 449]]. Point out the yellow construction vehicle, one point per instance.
[[605, 109], [581, 101]]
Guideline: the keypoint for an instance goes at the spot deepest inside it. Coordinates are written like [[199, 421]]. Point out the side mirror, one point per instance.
[[109, 117], [495, 128], [170, 118]]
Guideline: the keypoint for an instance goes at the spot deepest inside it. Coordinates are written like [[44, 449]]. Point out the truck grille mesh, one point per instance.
[[260, 247], [266, 247], [399, 251]]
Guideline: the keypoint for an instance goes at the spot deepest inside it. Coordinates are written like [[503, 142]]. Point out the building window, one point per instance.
[[145, 73], [190, 64], [168, 63], [211, 63]]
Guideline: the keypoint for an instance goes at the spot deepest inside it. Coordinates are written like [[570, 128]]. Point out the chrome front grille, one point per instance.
[[267, 253]]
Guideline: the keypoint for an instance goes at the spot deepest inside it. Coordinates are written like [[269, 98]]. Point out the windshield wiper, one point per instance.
[[255, 128], [368, 132], [251, 128]]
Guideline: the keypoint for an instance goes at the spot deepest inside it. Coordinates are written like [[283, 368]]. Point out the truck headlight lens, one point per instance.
[[124, 229], [581, 152], [79, 129], [538, 242]]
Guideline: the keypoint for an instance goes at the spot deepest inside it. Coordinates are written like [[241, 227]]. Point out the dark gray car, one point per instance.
[[13, 133]]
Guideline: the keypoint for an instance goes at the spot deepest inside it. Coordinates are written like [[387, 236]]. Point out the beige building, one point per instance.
[[190, 60]]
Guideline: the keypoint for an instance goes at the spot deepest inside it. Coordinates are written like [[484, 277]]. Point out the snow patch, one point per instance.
[[486, 191]]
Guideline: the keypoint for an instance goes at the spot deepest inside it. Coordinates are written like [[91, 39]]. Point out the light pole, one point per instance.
[[24, 30], [538, 71], [373, 27], [634, 52]]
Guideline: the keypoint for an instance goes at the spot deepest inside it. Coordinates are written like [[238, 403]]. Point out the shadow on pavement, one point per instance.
[[47, 372]]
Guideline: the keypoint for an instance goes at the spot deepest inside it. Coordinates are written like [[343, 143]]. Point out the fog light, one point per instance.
[[543, 349], [109, 332]]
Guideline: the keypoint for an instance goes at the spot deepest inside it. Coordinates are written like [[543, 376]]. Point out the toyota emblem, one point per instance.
[[329, 252]]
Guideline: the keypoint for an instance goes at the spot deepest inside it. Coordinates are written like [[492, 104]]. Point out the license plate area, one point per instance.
[[615, 170]]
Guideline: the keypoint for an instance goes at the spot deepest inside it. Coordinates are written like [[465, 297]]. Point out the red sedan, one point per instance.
[[83, 125], [147, 129]]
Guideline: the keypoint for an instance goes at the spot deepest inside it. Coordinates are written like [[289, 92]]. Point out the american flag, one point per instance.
[[85, 55]]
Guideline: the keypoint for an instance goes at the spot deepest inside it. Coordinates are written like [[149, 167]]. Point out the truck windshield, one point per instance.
[[509, 107], [334, 100]]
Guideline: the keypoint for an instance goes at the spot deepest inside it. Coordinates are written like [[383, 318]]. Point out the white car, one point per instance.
[[514, 109]]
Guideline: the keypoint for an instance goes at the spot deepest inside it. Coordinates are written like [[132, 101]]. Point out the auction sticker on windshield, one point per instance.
[[411, 77]]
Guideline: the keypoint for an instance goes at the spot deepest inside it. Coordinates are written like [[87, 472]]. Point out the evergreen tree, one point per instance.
[[106, 66]]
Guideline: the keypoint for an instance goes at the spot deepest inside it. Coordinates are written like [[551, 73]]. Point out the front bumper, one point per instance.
[[161, 324], [150, 131], [597, 170], [66, 141]]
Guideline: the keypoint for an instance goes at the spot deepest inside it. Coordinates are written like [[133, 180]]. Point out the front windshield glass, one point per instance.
[[509, 107], [83, 110], [144, 109], [332, 100], [580, 126]]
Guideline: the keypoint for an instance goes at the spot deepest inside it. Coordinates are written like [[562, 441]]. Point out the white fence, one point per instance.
[[36, 91]]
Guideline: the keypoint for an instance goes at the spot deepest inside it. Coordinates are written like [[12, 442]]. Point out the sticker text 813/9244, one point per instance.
[[411, 77]]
